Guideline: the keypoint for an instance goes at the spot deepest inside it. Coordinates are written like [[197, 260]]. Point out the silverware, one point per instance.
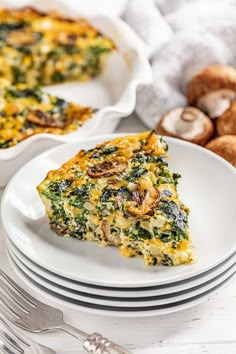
[[13, 343], [28, 313]]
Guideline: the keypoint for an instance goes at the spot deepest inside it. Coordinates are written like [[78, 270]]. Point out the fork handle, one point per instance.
[[97, 344], [94, 343]]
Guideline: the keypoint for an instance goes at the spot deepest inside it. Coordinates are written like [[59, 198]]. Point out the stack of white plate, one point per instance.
[[98, 280]]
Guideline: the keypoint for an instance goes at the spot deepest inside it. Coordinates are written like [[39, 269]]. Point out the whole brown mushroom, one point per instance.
[[224, 146], [186, 123], [212, 89], [226, 123]]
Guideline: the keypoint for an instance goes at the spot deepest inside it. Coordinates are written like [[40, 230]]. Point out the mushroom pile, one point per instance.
[[210, 118]]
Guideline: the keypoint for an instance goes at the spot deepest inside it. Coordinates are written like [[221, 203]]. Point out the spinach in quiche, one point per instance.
[[28, 111], [40, 48], [121, 193]]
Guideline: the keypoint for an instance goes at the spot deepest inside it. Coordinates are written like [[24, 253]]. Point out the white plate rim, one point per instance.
[[124, 314], [86, 288], [165, 300]]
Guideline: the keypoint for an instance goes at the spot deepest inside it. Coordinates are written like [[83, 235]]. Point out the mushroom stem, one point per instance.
[[216, 102], [186, 121]]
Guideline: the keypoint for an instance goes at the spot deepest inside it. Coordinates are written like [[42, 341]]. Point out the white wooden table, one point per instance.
[[208, 328]]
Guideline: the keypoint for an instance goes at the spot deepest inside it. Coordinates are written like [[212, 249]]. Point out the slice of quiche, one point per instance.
[[27, 111], [44, 48], [121, 193]]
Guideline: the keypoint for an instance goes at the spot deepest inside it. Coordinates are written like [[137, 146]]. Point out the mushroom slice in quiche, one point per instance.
[[121, 193], [27, 111]]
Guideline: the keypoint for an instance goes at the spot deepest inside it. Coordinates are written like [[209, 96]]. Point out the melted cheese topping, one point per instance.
[[121, 193]]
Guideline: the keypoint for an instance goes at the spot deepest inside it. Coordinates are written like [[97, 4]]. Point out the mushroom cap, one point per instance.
[[212, 78], [196, 127], [226, 123], [224, 146]]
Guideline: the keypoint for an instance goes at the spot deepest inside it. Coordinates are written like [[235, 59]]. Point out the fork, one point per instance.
[[30, 314], [12, 343]]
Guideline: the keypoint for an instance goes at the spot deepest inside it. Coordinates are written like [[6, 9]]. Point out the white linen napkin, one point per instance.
[[181, 38]]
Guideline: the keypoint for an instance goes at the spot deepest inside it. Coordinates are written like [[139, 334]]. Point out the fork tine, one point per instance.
[[2, 320], [8, 340], [19, 290], [14, 296], [10, 316], [13, 343], [18, 317], [10, 306], [30, 299], [4, 349], [25, 320]]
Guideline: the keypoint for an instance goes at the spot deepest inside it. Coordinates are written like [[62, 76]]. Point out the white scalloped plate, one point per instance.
[[113, 92], [87, 7], [212, 220]]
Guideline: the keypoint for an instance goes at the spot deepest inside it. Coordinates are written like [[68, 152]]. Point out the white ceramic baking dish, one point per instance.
[[113, 92]]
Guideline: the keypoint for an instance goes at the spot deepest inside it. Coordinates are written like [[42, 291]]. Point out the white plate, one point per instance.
[[210, 221], [125, 292], [121, 302], [118, 312], [113, 92], [208, 187]]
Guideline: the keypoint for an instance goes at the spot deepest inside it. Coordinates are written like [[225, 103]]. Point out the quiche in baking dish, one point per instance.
[[39, 48], [42, 48], [27, 111], [121, 193]]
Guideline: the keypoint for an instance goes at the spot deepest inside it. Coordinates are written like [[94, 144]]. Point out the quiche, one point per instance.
[[37, 49], [27, 111], [121, 193], [42, 48]]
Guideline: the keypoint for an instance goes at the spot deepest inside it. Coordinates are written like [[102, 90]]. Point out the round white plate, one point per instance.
[[120, 311], [121, 302], [125, 292], [208, 187]]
